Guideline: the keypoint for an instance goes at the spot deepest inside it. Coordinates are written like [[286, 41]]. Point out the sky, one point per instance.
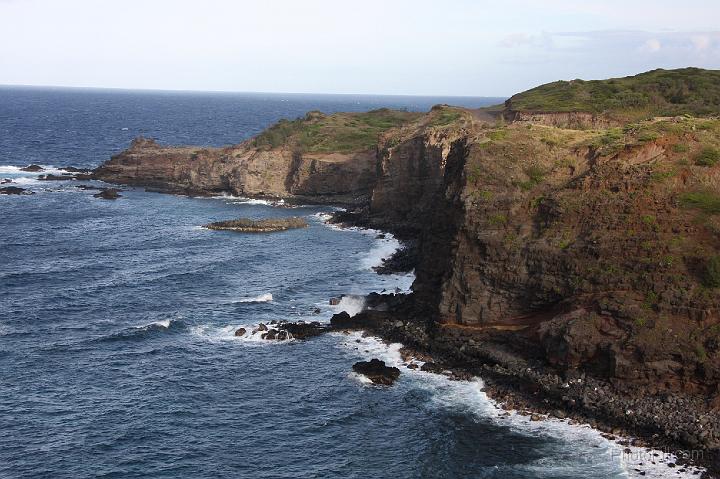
[[419, 47]]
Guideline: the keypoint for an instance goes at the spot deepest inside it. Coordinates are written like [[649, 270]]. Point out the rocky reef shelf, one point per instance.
[[245, 225]]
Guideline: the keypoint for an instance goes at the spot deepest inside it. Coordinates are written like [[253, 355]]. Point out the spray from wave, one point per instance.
[[351, 304]]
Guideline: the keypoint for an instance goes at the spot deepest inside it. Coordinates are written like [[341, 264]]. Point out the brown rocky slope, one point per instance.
[[577, 266]]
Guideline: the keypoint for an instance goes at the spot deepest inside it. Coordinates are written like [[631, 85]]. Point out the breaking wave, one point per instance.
[[351, 304], [263, 298], [141, 332], [251, 334]]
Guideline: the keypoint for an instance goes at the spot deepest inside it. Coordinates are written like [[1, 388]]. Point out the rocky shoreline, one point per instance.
[[673, 423]]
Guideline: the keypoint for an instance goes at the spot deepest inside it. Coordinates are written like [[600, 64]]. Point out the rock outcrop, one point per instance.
[[14, 190], [108, 194], [245, 225], [319, 159], [377, 371]]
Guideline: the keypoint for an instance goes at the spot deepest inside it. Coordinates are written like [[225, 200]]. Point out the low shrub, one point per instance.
[[711, 275], [707, 157]]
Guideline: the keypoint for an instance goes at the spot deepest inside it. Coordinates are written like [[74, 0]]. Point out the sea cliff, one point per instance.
[[567, 251]]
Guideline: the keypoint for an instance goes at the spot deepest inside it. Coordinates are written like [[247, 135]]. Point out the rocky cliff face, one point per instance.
[[244, 170], [599, 256], [581, 266], [566, 252], [579, 120]]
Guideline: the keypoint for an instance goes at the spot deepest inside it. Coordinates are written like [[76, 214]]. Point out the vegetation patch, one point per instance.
[[497, 219], [654, 93], [659, 176], [341, 132], [709, 156], [497, 135], [706, 201], [444, 115], [610, 142], [711, 274], [535, 176]]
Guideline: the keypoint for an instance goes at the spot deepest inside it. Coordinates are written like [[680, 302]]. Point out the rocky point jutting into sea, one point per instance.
[[565, 243]]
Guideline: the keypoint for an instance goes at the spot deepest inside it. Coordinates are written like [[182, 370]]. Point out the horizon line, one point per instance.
[[174, 90]]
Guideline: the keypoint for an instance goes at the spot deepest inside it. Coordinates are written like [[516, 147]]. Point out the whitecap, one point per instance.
[[263, 298], [161, 324], [165, 323]]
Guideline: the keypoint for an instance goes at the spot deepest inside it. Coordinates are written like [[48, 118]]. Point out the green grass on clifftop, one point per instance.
[[339, 132], [657, 92]]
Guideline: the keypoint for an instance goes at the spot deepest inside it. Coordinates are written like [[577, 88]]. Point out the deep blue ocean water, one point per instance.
[[117, 352]]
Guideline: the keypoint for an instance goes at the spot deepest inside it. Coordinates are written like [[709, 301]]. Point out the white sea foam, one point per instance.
[[382, 250], [16, 170], [213, 333], [263, 298], [26, 180], [588, 453]]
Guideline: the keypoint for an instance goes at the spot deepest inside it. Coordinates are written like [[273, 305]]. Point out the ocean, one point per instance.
[[117, 350]]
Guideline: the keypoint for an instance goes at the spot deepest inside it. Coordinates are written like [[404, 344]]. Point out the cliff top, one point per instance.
[[339, 132], [655, 93]]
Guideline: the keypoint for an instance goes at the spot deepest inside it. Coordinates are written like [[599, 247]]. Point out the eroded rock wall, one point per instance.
[[244, 170]]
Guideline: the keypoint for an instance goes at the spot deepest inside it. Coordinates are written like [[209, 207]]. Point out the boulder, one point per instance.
[[14, 190], [432, 367], [270, 335], [51, 177], [340, 319], [240, 332], [108, 194], [73, 169], [5, 180], [377, 372], [335, 301], [66, 176], [32, 168], [302, 330]]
